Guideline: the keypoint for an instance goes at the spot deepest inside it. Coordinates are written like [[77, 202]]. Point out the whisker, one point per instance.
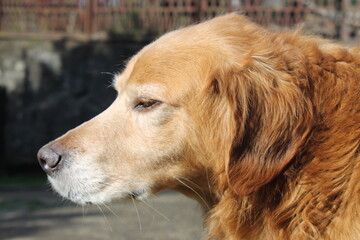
[[106, 220], [137, 213], [186, 185], [152, 222], [157, 211], [111, 210], [207, 178], [86, 211], [196, 185], [108, 73], [111, 82]]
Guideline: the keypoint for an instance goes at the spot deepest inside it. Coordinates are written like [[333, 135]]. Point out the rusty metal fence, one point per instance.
[[331, 18]]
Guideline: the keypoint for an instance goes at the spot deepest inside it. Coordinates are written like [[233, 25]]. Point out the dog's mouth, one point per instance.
[[134, 195], [79, 192], [92, 199], [99, 191], [137, 194]]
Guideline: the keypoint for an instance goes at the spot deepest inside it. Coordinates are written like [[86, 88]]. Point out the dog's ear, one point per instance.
[[273, 118]]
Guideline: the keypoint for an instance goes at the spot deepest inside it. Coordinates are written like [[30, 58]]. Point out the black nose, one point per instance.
[[49, 159]]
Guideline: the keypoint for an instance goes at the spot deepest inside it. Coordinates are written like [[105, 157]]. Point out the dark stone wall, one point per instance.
[[49, 87]]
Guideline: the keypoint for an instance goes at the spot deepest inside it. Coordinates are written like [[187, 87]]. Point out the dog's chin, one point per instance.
[[98, 193]]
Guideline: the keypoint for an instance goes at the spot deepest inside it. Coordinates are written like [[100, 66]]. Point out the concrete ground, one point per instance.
[[37, 214]]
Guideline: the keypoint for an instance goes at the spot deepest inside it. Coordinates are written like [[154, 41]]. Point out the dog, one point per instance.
[[261, 128]]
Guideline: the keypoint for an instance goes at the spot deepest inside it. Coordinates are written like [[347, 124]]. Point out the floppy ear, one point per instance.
[[273, 118]]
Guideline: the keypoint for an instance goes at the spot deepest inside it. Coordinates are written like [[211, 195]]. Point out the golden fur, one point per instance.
[[261, 128]]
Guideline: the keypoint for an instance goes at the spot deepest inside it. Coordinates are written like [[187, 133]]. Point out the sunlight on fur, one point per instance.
[[261, 128]]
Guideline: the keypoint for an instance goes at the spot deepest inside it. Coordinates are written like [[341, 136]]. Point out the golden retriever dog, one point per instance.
[[262, 128]]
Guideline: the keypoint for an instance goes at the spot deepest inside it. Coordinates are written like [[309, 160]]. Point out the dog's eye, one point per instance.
[[145, 104]]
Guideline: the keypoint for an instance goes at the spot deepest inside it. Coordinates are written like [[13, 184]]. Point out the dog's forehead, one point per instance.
[[177, 63], [156, 73], [140, 77], [120, 79]]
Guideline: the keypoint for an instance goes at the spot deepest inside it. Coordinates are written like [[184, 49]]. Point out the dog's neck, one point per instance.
[[200, 188]]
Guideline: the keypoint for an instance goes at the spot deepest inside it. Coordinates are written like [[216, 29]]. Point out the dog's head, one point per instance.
[[209, 100]]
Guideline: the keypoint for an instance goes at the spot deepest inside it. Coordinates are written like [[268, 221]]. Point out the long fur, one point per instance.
[[262, 128], [291, 163]]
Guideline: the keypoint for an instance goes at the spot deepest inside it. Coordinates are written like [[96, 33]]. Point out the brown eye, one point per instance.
[[145, 104]]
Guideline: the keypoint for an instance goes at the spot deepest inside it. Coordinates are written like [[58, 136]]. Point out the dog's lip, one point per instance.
[[136, 194], [81, 201]]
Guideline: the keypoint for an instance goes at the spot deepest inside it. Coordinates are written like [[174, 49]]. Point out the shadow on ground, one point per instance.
[[36, 213]]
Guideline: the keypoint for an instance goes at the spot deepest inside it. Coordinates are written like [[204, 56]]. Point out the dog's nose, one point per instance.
[[49, 159]]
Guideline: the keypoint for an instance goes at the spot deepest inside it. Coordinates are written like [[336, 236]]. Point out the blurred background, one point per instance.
[[57, 59]]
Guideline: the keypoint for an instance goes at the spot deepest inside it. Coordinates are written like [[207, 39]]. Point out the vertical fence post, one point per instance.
[[202, 9], [345, 24], [89, 16], [1, 14], [229, 6]]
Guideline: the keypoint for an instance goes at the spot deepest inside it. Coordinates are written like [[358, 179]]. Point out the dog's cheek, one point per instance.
[[162, 135]]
